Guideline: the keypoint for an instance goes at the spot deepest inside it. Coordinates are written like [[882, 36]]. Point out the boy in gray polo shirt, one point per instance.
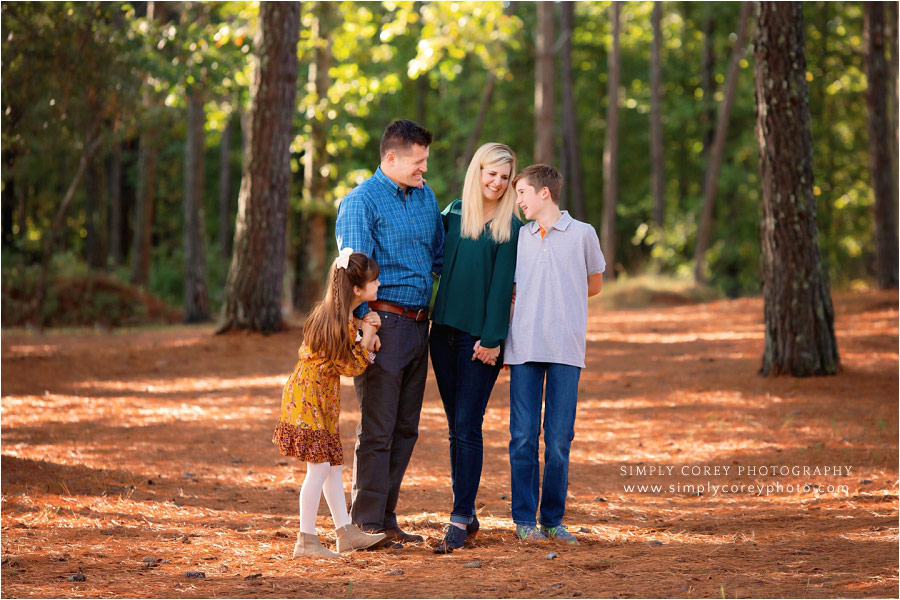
[[559, 264]]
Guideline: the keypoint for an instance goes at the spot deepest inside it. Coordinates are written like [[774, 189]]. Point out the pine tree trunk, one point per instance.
[[21, 212], [707, 80], [657, 164], [225, 189], [543, 85], [94, 199], [196, 299], [611, 151], [310, 255], [463, 161], [717, 152], [144, 206], [894, 95], [114, 212], [422, 85], [254, 286], [569, 113], [798, 312], [880, 167], [146, 186], [8, 206]]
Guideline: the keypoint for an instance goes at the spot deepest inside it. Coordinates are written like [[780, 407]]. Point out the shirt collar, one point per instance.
[[561, 224], [384, 180]]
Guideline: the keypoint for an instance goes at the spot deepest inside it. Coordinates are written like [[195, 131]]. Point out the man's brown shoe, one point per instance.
[[395, 534]]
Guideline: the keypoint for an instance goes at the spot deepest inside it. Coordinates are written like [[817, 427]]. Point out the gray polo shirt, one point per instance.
[[549, 322]]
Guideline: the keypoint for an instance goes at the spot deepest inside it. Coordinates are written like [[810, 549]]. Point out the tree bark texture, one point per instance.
[[146, 187], [21, 212], [717, 152], [254, 285], [311, 255], [569, 112], [309, 284], [146, 199], [94, 199], [707, 77], [657, 165], [799, 319], [225, 189], [880, 167], [894, 95], [543, 85], [196, 298], [474, 135], [114, 208], [9, 200], [611, 150]]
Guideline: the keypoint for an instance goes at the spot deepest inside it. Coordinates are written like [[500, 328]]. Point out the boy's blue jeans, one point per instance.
[[525, 395]]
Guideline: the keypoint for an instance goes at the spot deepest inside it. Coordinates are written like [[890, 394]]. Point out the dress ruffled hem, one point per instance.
[[310, 445]]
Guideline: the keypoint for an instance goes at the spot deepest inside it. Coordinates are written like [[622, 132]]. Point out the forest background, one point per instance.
[[123, 126]]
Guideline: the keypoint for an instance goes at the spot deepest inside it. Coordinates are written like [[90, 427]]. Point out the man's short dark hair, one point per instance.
[[403, 134], [541, 176]]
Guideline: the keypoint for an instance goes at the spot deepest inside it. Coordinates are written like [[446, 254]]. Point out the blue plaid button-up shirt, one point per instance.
[[403, 232]]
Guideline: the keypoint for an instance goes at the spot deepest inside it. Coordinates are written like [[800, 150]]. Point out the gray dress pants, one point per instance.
[[390, 395]]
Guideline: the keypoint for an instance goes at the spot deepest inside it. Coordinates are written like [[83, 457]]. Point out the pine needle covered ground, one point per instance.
[[134, 458]]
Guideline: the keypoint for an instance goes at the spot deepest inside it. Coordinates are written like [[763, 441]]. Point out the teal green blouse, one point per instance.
[[477, 280]]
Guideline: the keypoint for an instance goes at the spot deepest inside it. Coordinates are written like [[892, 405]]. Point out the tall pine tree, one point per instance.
[[254, 286], [798, 312]]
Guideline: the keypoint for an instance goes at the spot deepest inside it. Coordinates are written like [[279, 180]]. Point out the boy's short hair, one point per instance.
[[403, 134], [542, 176]]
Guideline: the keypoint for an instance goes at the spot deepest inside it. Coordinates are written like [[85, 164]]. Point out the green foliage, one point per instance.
[[167, 275], [69, 67]]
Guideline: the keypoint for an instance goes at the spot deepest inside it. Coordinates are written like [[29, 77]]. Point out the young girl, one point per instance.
[[311, 400]]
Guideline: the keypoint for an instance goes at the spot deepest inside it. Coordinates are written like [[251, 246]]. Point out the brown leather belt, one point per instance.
[[415, 315]]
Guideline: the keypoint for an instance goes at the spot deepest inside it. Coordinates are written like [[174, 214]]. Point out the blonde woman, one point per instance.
[[471, 319]]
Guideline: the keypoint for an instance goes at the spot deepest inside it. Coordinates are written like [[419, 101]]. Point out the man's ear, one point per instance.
[[390, 158]]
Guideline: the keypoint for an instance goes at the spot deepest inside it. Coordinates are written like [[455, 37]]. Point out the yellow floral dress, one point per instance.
[[311, 405]]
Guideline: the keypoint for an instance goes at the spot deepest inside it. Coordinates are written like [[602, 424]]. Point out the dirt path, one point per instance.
[[156, 444]]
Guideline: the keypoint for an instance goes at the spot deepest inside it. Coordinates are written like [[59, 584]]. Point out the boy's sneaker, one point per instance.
[[560, 534], [530, 533]]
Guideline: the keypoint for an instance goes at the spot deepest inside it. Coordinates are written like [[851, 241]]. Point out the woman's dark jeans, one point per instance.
[[465, 386]]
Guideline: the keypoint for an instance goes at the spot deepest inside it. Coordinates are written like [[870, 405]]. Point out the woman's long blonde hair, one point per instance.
[[325, 331], [489, 155]]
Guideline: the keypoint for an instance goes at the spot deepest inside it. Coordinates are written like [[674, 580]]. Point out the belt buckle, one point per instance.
[[420, 312]]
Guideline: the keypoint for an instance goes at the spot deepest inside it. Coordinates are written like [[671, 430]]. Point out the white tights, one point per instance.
[[322, 477]]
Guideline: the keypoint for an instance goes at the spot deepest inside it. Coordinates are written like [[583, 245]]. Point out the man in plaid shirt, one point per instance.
[[394, 218]]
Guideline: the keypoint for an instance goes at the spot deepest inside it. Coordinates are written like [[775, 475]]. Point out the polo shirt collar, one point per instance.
[[386, 181], [561, 224]]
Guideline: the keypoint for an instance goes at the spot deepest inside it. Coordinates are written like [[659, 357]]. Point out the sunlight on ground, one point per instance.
[[159, 444]]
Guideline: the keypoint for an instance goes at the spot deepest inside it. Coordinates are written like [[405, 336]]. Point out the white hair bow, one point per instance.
[[343, 258]]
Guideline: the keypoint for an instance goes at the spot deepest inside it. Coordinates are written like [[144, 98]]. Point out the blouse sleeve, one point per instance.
[[359, 362], [496, 319]]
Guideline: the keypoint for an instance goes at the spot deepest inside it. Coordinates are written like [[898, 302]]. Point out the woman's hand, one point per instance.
[[486, 355]]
